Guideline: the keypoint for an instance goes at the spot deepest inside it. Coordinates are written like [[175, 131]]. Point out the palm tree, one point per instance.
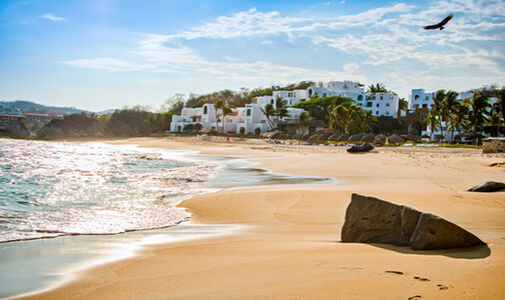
[[303, 121], [378, 88], [226, 111], [339, 113], [478, 105], [500, 94], [281, 110], [269, 111], [437, 108], [459, 117], [219, 104], [403, 105], [432, 120], [449, 106], [367, 120]]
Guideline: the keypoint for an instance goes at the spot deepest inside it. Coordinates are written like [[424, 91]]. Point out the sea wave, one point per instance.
[[50, 189]]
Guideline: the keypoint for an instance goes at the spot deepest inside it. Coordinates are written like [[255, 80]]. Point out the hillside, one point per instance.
[[32, 107]]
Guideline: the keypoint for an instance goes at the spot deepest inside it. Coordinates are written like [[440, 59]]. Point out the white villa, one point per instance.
[[419, 98], [381, 104], [251, 116]]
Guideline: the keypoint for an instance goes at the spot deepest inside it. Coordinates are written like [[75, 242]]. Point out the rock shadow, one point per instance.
[[476, 252]]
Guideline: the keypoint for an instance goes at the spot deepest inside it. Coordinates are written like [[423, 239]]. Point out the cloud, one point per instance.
[[242, 24], [52, 17], [385, 43], [109, 64]]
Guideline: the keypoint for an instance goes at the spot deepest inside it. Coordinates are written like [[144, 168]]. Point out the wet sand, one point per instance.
[[289, 247]]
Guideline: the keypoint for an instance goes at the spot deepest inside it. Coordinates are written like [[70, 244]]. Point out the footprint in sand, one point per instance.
[[443, 287], [415, 297], [421, 278], [395, 272]]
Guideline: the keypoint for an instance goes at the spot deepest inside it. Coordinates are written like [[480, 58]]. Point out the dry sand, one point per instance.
[[290, 247]]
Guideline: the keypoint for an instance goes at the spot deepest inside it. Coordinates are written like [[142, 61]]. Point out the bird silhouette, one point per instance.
[[439, 25]]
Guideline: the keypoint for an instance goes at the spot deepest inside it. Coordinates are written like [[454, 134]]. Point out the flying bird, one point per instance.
[[439, 25]]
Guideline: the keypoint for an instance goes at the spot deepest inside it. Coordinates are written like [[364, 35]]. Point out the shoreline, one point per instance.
[[129, 249], [312, 216]]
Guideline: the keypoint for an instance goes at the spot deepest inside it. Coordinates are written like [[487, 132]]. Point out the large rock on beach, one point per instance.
[[488, 186], [379, 140], [371, 220]]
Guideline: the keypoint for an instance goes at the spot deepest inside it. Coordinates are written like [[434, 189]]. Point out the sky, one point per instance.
[[102, 54]]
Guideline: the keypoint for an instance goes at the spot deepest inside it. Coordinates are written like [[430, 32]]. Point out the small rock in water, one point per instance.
[[487, 187]]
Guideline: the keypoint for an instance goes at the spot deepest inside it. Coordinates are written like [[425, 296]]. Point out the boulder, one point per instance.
[[356, 137], [488, 186], [343, 137], [394, 139], [368, 138], [371, 220], [313, 139], [297, 136], [379, 140], [333, 137]]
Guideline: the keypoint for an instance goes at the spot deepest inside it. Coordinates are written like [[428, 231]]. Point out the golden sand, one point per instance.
[[290, 247]]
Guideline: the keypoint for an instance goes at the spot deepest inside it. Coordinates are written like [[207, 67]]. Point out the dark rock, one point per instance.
[[371, 220], [433, 232], [488, 186]]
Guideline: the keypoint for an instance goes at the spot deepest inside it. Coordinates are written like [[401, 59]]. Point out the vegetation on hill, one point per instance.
[[244, 96], [32, 107]]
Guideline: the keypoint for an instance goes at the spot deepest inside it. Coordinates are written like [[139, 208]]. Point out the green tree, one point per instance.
[[459, 118], [303, 121], [478, 114], [226, 112], [432, 120], [449, 106], [437, 109], [378, 88], [281, 110], [403, 105], [367, 121], [269, 111]]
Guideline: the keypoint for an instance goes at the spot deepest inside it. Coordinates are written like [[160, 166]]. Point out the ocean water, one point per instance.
[[66, 206], [51, 189]]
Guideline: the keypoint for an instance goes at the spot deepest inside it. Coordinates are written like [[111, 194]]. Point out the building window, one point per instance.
[[378, 105], [416, 97], [387, 104], [360, 97], [377, 113], [382, 98], [369, 104], [386, 113], [272, 101], [205, 110], [248, 113], [425, 105], [427, 98]]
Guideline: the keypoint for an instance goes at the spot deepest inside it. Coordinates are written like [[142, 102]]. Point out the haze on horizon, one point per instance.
[[101, 54]]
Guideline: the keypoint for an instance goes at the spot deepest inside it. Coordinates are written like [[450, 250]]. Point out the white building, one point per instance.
[[380, 104], [249, 117], [419, 98]]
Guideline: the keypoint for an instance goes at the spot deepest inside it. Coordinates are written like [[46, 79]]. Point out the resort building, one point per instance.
[[419, 98], [250, 117], [380, 104]]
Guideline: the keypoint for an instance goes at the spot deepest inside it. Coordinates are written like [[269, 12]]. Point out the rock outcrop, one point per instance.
[[488, 186], [371, 220], [74, 126]]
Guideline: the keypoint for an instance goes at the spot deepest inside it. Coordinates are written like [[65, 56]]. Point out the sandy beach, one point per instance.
[[289, 245]]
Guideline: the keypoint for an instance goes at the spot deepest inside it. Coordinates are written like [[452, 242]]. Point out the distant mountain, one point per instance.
[[105, 112], [23, 106]]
